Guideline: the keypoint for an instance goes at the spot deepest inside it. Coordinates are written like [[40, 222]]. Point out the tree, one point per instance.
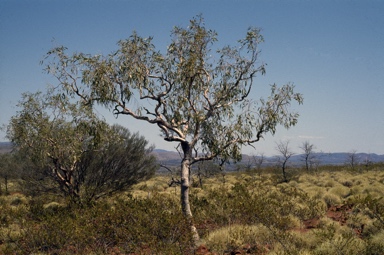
[[206, 169], [198, 98], [353, 159], [82, 154], [8, 169], [259, 160], [285, 154], [116, 165], [308, 154]]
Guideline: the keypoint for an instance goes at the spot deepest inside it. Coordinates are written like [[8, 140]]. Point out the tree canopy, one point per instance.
[[198, 95], [71, 146]]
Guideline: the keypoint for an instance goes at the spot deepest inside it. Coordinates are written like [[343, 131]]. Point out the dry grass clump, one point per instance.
[[328, 238], [340, 191], [304, 241], [315, 192], [11, 233], [341, 245], [380, 176], [158, 183], [375, 189], [16, 199], [234, 236], [228, 178], [12, 217], [140, 193], [293, 222], [357, 190], [362, 223], [332, 199], [307, 178], [376, 243]]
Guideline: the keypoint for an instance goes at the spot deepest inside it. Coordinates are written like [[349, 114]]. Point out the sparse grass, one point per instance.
[[252, 213]]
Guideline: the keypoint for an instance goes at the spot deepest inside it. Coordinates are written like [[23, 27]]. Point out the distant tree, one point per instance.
[[353, 160], [198, 98], [82, 154], [258, 160], [367, 162], [7, 170], [308, 154], [285, 154], [206, 169]]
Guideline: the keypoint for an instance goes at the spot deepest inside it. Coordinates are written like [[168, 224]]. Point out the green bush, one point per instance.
[[128, 225]]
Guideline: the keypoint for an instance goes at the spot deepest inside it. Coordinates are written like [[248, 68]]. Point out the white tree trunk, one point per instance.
[[185, 184], [185, 188]]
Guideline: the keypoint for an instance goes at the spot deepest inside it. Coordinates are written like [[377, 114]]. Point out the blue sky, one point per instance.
[[333, 51]]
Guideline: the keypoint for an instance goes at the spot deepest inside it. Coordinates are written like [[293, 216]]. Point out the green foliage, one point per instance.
[[10, 167], [199, 92], [68, 149], [128, 226], [114, 166], [198, 95]]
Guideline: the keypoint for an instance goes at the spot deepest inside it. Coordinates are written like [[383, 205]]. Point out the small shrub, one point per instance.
[[347, 183], [331, 199], [340, 191], [338, 240], [330, 183], [235, 236], [375, 244], [18, 199], [356, 190], [315, 192], [128, 225], [305, 241]]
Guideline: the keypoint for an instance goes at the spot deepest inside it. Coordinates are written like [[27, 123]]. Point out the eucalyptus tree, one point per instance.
[[285, 153], [308, 154], [69, 145], [198, 96]]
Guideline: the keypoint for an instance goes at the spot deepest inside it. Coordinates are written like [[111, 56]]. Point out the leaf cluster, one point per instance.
[[195, 93]]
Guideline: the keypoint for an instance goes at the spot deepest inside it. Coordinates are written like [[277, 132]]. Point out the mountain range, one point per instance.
[[173, 158]]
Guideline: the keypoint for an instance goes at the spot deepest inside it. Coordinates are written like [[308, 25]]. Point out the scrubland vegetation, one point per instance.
[[336, 211]]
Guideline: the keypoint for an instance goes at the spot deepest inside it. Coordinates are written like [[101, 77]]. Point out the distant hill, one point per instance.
[[171, 158], [340, 158], [5, 147]]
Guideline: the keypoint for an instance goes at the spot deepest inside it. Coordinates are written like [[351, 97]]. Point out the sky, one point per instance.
[[333, 51]]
